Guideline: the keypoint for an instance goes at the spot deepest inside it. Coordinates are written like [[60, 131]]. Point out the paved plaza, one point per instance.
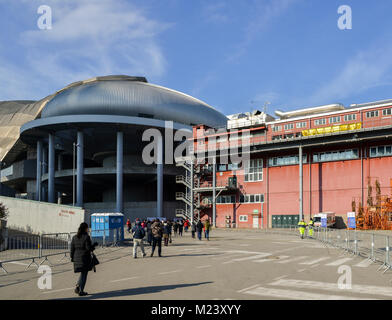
[[232, 265]]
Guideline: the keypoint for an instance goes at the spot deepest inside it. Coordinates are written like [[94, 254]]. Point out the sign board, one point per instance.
[[351, 220], [323, 221], [255, 212]]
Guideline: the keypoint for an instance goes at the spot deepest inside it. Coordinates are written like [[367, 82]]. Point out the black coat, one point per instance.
[[81, 249]]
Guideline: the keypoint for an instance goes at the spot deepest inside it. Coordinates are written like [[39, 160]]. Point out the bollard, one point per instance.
[[355, 243]]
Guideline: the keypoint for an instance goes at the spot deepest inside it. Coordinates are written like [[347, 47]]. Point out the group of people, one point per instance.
[[82, 248], [302, 228]]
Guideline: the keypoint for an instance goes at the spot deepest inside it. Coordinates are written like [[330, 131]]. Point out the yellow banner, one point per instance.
[[342, 127]]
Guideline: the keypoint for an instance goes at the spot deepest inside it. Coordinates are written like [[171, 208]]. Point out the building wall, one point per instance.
[[332, 187], [40, 217]]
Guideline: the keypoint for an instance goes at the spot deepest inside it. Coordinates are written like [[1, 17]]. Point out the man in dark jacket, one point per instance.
[[138, 235], [157, 232], [81, 250], [199, 229]]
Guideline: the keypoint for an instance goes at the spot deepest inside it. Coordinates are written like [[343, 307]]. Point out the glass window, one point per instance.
[[373, 152], [388, 150], [252, 198], [380, 151]]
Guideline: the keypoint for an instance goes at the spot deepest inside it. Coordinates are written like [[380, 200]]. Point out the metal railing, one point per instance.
[[38, 248], [373, 246]]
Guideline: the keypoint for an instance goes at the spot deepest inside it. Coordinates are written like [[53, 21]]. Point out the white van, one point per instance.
[[330, 219]]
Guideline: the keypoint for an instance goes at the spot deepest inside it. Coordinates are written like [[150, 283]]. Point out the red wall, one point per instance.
[[334, 185]]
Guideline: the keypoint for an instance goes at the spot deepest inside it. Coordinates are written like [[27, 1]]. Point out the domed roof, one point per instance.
[[131, 96]]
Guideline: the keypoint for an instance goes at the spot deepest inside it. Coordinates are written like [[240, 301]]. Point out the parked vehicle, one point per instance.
[[331, 220]]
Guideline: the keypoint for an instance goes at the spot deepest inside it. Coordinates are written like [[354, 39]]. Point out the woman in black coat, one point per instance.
[[81, 249]]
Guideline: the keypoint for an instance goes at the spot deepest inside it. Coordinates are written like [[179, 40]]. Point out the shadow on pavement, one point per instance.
[[135, 291]]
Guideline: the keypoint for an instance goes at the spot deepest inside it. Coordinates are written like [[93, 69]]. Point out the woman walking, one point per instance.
[[81, 250]]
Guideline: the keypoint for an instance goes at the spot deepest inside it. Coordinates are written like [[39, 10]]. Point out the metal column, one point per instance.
[[160, 176], [79, 170], [39, 171], [51, 163], [301, 209], [119, 172], [214, 193], [191, 192]]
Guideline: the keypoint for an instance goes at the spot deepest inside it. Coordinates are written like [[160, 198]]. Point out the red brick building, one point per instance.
[[342, 148]]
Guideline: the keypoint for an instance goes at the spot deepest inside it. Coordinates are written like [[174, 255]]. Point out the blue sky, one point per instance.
[[235, 54]]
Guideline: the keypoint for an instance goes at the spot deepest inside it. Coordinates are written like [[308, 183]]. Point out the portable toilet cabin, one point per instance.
[[110, 225]]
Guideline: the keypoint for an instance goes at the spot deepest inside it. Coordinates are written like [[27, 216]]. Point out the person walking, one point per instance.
[[310, 227], [180, 228], [302, 227], [149, 233], [207, 228], [157, 232], [81, 256], [170, 225], [199, 229], [165, 234], [186, 225], [129, 225], [138, 234], [175, 228], [193, 229]]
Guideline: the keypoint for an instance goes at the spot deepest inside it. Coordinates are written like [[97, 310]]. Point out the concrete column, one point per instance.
[[119, 172], [160, 176], [51, 169], [79, 169], [301, 210], [38, 188], [191, 192], [214, 192]]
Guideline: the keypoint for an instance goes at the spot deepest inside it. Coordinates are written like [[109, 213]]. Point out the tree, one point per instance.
[[3, 211]]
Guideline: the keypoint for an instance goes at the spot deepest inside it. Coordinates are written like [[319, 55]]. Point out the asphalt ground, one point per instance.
[[233, 265]]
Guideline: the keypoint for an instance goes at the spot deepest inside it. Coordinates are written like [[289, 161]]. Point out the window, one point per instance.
[[350, 117], [334, 119], [277, 137], [254, 170], [289, 126], [225, 199], [381, 151], [276, 128], [372, 114], [387, 112], [252, 198], [233, 166], [301, 124], [285, 160], [243, 218], [319, 122], [336, 155]]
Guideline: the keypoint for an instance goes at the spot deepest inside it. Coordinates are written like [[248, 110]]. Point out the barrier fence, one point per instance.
[[375, 247], [38, 248]]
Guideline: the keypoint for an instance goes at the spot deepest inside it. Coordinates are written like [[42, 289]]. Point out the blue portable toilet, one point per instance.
[[108, 224]]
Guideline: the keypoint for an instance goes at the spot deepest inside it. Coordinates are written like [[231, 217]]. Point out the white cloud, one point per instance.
[[367, 69], [88, 38]]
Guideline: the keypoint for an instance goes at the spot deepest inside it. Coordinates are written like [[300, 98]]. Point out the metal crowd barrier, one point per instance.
[[17, 248], [375, 247]]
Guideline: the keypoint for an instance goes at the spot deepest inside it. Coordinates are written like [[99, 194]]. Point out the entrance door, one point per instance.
[[255, 222]]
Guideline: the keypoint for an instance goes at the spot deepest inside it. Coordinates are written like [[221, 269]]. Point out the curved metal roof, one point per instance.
[[13, 114], [131, 96]]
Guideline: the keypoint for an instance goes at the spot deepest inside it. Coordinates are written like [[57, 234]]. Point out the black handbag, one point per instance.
[[94, 261]]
